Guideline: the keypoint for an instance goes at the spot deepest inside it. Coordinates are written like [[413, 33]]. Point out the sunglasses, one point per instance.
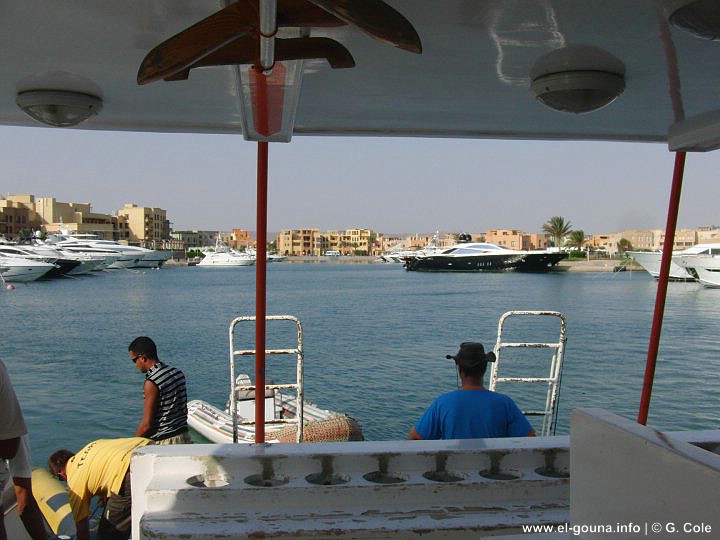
[[134, 359]]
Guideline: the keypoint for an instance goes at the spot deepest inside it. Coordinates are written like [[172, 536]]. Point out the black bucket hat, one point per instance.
[[471, 354]]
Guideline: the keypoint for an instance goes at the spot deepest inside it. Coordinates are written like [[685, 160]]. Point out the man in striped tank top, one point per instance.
[[165, 406]]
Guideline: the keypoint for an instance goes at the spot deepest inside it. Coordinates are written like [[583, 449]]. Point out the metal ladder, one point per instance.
[[297, 386], [553, 380]]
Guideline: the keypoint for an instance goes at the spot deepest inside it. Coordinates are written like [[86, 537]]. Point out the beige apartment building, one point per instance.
[[514, 239], [146, 226], [299, 242], [16, 218], [240, 239], [53, 216], [358, 242], [194, 239]]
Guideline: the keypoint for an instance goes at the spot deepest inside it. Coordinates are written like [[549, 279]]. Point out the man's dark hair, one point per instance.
[[475, 371], [58, 460], [145, 346]]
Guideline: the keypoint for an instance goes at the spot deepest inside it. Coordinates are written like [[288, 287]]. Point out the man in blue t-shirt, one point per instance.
[[472, 411]]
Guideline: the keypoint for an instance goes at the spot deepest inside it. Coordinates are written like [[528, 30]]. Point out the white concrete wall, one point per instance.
[[627, 479], [170, 502]]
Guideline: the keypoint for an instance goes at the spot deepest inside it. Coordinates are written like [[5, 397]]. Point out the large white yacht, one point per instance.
[[685, 265], [703, 262], [18, 269], [650, 261], [62, 264], [129, 256], [484, 257]]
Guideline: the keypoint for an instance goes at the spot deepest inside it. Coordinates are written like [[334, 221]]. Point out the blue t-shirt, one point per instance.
[[472, 414]]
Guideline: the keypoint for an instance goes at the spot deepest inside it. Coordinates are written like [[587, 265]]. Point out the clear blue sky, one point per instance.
[[386, 184]]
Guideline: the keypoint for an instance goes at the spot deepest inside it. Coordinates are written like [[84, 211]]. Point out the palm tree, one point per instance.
[[624, 245], [577, 239], [557, 228]]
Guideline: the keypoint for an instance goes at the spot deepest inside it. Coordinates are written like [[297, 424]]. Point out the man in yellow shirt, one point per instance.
[[101, 468]]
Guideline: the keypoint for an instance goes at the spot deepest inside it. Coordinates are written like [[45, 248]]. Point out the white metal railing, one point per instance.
[[553, 380], [297, 385]]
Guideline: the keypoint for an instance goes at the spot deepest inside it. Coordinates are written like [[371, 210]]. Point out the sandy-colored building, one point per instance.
[[195, 239], [16, 218], [146, 226], [54, 216], [358, 242], [240, 239], [297, 242], [708, 235], [514, 239]]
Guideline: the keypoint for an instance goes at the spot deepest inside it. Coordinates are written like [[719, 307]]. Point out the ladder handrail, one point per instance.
[[553, 380], [297, 386]]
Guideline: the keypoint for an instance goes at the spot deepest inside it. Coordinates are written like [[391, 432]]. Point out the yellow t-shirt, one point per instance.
[[98, 469]]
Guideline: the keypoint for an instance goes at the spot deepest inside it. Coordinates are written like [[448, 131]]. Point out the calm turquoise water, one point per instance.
[[375, 341]]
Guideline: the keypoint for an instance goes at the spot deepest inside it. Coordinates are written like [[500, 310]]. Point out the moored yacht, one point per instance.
[[223, 256], [484, 257], [467, 257], [61, 264], [703, 262], [650, 261], [20, 270]]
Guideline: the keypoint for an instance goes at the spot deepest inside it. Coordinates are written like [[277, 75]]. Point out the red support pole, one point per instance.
[[662, 287], [260, 291]]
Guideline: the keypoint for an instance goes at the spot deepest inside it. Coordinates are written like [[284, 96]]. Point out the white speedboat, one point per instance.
[[19, 270], [223, 256], [650, 261]]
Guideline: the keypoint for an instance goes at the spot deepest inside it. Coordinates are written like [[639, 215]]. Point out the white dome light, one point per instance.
[[578, 91], [577, 79], [699, 17], [58, 108]]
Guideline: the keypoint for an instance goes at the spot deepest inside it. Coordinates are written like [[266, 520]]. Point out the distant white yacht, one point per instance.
[[223, 256], [271, 257]]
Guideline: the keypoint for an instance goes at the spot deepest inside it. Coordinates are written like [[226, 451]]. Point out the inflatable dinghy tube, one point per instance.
[[52, 498]]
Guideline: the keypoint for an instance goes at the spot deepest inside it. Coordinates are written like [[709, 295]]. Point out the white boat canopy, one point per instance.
[[474, 77]]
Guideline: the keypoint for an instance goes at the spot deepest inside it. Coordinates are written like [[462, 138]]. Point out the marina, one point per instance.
[[631, 72], [375, 341]]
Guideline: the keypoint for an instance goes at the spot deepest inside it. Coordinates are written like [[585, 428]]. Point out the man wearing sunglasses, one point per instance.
[[165, 404]]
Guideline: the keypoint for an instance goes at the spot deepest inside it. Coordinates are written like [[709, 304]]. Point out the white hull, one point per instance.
[[706, 268], [19, 270], [224, 262], [126, 261], [86, 266], [650, 261], [154, 259]]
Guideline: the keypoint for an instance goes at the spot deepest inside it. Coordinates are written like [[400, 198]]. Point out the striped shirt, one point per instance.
[[171, 413]]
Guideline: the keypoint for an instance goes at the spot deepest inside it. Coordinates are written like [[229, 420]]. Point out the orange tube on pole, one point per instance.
[[662, 287]]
